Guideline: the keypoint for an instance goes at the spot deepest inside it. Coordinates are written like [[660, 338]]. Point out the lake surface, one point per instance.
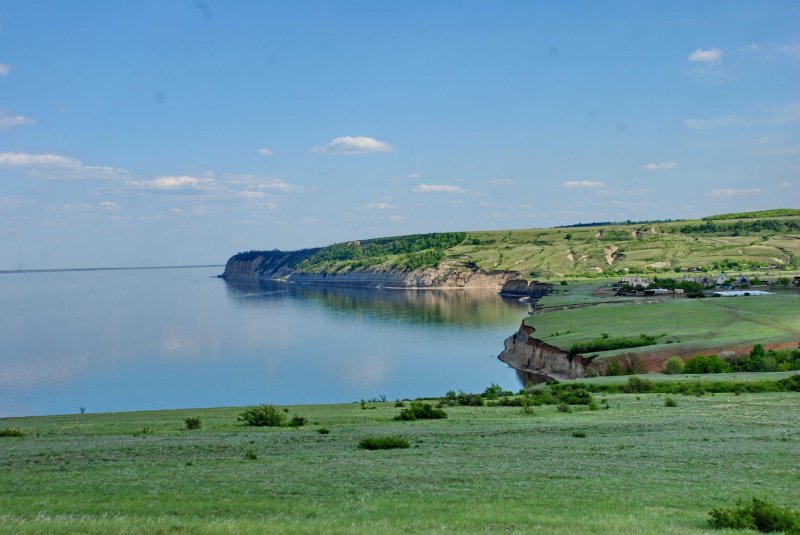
[[180, 338]]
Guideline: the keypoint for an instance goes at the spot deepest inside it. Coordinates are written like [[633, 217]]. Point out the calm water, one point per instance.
[[173, 338]]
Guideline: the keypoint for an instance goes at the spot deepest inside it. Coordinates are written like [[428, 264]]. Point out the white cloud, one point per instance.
[[505, 181], [659, 166], [727, 192], [9, 120], [785, 184], [174, 183], [267, 152], [352, 145], [379, 206], [706, 56], [5, 68], [413, 176], [582, 184], [437, 188]]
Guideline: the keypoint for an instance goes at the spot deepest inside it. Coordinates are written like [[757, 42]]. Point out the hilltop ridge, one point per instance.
[[748, 240]]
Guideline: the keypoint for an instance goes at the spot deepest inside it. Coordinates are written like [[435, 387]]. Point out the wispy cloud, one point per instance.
[[5, 68], [500, 181], [57, 167], [257, 182], [353, 145], [713, 55], [267, 152], [777, 115], [582, 184], [728, 192], [792, 50], [24, 159], [437, 188], [659, 166], [9, 120], [379, 206]]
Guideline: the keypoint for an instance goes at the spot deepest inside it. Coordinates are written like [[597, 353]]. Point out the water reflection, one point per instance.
[[463, 308], [136, 340]]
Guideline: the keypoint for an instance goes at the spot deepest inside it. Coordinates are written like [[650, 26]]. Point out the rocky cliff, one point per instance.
[[540, 359], [284, 265]]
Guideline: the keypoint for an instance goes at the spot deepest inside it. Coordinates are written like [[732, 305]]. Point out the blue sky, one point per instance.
[[180, 132]]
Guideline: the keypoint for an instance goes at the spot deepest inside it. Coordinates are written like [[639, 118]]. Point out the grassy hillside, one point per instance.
[[636, 467], [749, 240]]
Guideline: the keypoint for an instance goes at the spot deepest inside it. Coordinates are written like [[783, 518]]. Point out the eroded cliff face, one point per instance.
[[533, 356], [282, 265], [523, 288]]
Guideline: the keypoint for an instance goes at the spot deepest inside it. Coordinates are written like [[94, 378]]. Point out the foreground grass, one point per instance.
[[642, 468]]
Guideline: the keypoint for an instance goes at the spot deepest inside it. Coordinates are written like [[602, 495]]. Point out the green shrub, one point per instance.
[[637, 385], [758, 514], [421, 411], [250, 455], [382, 443], [297, 421], [193, 423], [706, 364], [264, 415], [11, 432], [564, 408], [670, 402], [673, 366], [399, 404], [323, 430], [579, 434]]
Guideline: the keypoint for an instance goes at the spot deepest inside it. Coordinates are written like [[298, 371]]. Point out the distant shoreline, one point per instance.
[[56, 270]]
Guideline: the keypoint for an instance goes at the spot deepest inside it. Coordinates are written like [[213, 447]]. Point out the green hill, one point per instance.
[[744, 241]]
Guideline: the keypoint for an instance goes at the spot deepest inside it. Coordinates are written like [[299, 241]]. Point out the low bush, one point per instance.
[[323, 430], [250, 455], [606, 343], [193, 423], [264, 415], [760, 515], [673, 366], [451, 399], [421, 411], [11, 432], [399, 403], [382, 443], [579, 434], [564, 408], [670, 402]]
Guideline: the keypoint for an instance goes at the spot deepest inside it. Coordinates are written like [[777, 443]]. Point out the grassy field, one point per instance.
[[641, 468], [687, 324]]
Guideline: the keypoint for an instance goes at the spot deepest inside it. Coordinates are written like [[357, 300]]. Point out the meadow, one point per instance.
[[636, 467]]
